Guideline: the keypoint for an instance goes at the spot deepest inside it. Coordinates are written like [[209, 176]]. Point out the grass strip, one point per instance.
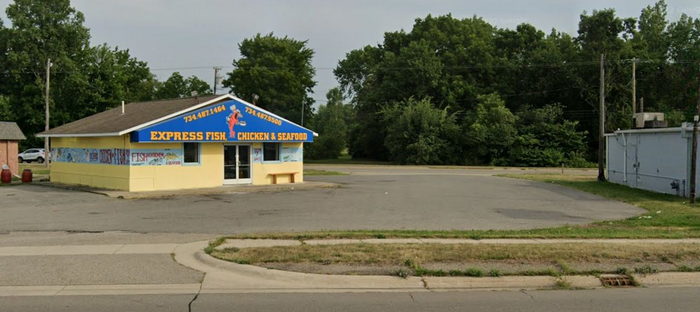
[[316, 172], [485, 259]]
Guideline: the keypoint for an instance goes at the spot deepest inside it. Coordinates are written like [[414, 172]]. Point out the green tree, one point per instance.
[[177, 86], [41, 30], [546, 139], [277, 70], [490, 131], [419, 133], [84, 79], [331, 123], [107, 77]]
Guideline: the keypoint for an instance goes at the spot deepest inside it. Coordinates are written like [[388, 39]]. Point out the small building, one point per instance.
[[197, 142], [654, 159], [10, 135]]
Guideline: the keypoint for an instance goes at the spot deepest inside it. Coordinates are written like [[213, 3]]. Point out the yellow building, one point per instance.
[[178, 144]]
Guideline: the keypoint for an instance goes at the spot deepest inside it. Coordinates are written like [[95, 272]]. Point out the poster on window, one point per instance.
[[257, 155], [156, 157], [291, 154]]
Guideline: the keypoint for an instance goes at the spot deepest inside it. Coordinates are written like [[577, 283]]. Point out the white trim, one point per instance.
[[62, 135], [238, 180], [648, 130], [270, 113], [164, 118], [169, 116]]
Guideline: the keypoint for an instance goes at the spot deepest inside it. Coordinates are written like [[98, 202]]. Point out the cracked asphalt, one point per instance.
[[370, 198]]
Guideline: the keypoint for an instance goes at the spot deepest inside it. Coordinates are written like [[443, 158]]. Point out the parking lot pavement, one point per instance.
[[390, 198]]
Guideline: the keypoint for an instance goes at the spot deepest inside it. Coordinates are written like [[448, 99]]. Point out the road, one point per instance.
[[619, 300], [371, 198]]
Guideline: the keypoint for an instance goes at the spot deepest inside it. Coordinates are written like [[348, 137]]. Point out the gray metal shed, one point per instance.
[[651, 159]]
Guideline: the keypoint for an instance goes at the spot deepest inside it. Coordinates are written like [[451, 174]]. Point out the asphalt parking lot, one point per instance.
[[370, 198]]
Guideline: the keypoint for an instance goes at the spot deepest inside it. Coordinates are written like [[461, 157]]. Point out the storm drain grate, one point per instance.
[[617, 281]]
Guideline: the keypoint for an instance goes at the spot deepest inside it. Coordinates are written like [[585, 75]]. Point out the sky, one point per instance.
[[193, 36]]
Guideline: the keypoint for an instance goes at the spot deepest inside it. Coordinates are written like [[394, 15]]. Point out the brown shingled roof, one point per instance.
[[135, 114], [10, 131]]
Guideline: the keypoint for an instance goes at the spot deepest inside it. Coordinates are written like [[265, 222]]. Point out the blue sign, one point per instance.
[[229, 121]]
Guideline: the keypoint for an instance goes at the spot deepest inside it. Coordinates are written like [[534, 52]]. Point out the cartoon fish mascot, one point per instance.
[[233, 119]]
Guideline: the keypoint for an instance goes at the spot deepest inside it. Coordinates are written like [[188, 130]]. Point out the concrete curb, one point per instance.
[[246, 243], [271, 280], [224, 277]]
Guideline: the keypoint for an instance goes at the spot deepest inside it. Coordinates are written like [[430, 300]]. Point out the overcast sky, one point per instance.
[[193, 36]]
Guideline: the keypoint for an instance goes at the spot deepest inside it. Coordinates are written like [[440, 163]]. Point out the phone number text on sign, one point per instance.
[[205, 113]]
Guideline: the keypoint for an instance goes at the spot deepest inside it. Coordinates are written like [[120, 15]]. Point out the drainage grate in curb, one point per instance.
[[617, 281]]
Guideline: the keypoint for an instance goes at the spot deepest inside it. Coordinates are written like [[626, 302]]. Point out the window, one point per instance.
[[271, 151], [191, 153]]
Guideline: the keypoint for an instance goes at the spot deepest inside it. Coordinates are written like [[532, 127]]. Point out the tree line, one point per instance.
[[462, 91], [449, 91]]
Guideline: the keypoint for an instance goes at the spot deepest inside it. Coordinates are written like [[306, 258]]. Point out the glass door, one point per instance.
[[244, 163], [236, 164]]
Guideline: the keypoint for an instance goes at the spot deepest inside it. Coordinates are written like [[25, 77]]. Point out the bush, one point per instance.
[[490, 131], [419, 134], [546, 139]]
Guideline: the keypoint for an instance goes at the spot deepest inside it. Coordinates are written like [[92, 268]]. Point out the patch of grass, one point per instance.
[[213, 244], [412, 255], [666, 216], [403, 273], [647, 269], [495, 273], [37, 169], [561, 283], [315, 172], [346, 160]]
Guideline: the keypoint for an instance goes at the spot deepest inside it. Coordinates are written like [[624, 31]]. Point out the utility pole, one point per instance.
[[634, 87], [46, 126], [601, 122], [694, 151], [216, 77]]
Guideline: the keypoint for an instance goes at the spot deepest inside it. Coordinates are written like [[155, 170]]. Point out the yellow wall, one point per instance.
[[261, 171], [208, 173], [101, 176]]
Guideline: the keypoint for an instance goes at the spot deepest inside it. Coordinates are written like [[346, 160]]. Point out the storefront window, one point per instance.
[[191, 153], [271, 151]]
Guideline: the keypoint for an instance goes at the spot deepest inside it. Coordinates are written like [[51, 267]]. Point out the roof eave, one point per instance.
[[72, 135], [175, 114]]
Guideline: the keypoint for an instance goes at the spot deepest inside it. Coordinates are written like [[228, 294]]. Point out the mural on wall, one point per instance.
[[291, 154], [156, 157], [104, 156], [118, 156]]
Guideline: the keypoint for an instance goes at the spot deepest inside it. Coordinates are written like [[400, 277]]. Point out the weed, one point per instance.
[[495, 273], [622, 271], [647, 269], [684, 268], [403, 273], [561, 283], [473, 272]]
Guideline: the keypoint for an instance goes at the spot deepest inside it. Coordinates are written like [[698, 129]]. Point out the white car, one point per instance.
[[32, 154]]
